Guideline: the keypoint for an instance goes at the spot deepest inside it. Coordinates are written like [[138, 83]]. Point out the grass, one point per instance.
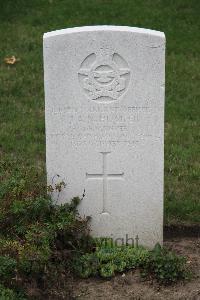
[[22, 132]]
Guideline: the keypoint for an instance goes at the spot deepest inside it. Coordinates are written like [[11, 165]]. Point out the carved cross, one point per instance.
[[105, 177]]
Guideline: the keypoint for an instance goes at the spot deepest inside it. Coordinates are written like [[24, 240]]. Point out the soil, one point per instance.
[[130, 285]]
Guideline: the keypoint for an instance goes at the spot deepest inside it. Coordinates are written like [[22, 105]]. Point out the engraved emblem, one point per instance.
[[104, 76]]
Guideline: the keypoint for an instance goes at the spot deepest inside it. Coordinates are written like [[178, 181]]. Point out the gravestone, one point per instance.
[[104, 107]]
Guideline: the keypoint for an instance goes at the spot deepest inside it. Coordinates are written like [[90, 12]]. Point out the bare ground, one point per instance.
[[130, 285]]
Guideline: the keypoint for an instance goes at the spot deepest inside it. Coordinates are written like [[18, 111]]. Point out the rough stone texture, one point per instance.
[[104, 95]]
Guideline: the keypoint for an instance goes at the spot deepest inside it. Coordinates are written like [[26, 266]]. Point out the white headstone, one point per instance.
[[104, 94]]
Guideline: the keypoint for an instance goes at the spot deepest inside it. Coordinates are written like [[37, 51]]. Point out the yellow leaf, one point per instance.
[[11, 60]]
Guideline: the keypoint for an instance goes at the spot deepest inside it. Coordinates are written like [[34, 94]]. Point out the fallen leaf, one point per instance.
[[11, 60]]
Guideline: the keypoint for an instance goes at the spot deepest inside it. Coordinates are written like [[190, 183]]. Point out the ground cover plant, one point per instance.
[[37, 237], [110, 259]]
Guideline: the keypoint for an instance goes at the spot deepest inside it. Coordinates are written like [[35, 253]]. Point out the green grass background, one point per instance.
[[22, 131]]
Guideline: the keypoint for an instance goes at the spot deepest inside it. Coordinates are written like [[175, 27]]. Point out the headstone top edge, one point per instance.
[[103, 28]]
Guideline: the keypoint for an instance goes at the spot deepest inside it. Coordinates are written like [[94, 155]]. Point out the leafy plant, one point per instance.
[[38, 237], [8, 294], [7, 267], [106, 261], [166, 265]]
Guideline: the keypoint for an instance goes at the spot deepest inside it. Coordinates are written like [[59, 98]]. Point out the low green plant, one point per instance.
[[9, 294], [7, 267], [167, 266], [38, 237], [106, 261]]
